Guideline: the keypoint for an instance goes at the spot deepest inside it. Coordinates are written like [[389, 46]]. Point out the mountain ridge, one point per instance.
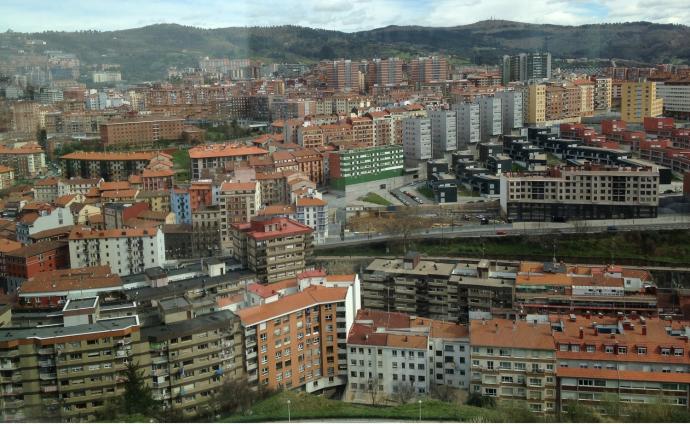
[[146, 52]]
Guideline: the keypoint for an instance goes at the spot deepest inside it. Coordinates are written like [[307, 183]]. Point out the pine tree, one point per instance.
[[137, 398]]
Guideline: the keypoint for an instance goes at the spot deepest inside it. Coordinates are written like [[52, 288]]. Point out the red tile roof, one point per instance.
[[224, 150], [81, 233], [97, 277], [108, 156]]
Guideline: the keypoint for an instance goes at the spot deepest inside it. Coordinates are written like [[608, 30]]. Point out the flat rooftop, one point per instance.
[[42, 333], [211, 321], [396, 266]]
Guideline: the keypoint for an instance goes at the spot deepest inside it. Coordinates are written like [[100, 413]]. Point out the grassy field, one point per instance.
[[660, 247], [426, 192], [375, 199], [182, 164], [306, 406]]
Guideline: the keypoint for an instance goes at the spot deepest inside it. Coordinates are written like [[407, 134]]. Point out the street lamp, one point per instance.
[[289, 417], [419, 402]]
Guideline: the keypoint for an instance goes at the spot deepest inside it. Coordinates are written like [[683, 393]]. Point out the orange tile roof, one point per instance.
[[308, 201], [107, 156], [7, 245], [224, 150], [502, 333], [46, 182], [97, 277], [134, 179], [116, 194], [82, 233], [310, 296], [287, 227], [62, 201], [276, 210], [26, 150], [234, 186], [5, 169], [149, 173], [267, 290], [115, 185]]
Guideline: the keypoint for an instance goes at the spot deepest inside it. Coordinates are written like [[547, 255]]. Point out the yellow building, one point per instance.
[[536, 104], [639, 100]]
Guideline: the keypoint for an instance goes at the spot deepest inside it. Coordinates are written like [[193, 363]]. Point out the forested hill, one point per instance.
[[145, 53]]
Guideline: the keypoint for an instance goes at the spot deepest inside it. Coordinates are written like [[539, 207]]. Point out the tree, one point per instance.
[[575, 412], [404, 392], [137, 398], [374, 384], [403, 224], [476, 399], [443, 392]]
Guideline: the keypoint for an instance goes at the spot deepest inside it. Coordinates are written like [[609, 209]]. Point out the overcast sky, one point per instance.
[[343, 15]]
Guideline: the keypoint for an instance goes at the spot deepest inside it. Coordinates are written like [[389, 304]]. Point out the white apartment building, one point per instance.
[[126, 251], [603, 91], [444, 137], [45, 220], [390, 352], [467, 127], [490, 117], [512, 113], [676, 95], [417, 139], [313, 212], [514, 360]]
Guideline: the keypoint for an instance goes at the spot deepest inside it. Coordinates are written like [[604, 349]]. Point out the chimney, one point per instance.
[[496, 328], [644, 330], [582, 333]]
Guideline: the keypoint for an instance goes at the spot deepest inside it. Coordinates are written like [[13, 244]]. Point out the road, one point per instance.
[[531, 228]]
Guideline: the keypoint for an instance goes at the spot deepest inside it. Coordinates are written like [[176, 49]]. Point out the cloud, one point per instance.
[[343, 15]]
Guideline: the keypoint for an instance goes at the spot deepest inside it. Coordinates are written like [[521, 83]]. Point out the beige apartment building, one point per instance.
[[239, 202], [514, 361], [536, 105]]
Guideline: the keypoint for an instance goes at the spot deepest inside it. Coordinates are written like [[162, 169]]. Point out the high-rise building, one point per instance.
[[490, 117], [536, 104], [468, 129], [384, 72], [343, 75], [429, 69], [603, 90], [526, 67], [639, 100], [239, 202], [512, 114], [676, 97], [417, 139], [444, 135]]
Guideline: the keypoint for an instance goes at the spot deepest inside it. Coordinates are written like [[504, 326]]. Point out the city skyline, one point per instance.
[[341, 15]]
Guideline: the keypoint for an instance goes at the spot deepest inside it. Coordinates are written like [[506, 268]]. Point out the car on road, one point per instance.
[[501, 233]]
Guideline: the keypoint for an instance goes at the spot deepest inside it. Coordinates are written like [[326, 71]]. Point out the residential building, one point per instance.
[[298, 340], [417, 139], [27, 161], [110, 166], [676, 97], [139, 131], [490, 117], [70, 370], [22, 264], [163, 179], [42, 220], [623, 358], [526, 67], [428, 69], [536, 104], [6, 177], [180, 205], [590, 192], [444, 135], [126, 251], [354, 166], [203, 193], [511, 113], [514, 360], [313, 212], [210, 158], [387, 352], [640, 100], [384, 73], [273, 248], [561, 288], [468, 124], [343, 75], [239, 203], [603, 91]]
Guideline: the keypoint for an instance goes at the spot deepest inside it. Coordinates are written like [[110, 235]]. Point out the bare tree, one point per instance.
[[404, 224], [443, 393], [374, 391], [404, 392]]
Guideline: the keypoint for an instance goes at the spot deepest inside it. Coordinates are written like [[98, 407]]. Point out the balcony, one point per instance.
[[46, 363], [159, 360], [13, 404], [47, 376], [7, 366], [10, 353], [49, 389]]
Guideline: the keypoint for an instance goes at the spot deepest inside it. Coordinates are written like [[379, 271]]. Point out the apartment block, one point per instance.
[[560, 288], [26, 162], [526, 67], [603, 92], [428, 69], [417, 139], [676, 97], [210, 158], [299, 340], [126, 251], [626, 358], [444, 135], [512, 113], [536, 104], [590, 192], [343, 75], [353, 166], [111, 166], [384, 72], [239, 202], [389, 352], [313, 212], [141, 130], [273, 248], [514, 361], [640, 100], [468, 124], [71, 370], [490, 117]]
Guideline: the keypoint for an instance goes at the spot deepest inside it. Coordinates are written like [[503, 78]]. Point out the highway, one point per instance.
[[531, 228]]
